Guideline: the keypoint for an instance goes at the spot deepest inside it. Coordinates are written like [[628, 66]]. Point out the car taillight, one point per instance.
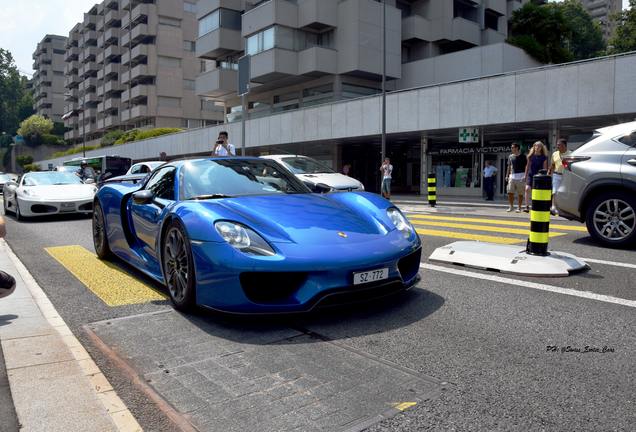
[[570, 160]]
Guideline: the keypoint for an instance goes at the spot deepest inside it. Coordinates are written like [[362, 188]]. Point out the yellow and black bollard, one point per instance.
[[432, 190], [540, 214]]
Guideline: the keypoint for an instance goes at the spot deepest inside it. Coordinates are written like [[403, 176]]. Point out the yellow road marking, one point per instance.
[[482, 228], [108, 282], [404, 405], [468, 236], [494, 222]]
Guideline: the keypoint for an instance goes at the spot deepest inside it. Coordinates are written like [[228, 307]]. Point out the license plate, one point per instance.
[[67, 207], [370, 276]]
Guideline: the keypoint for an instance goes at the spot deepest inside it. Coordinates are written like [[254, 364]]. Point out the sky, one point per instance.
[[25, 22]]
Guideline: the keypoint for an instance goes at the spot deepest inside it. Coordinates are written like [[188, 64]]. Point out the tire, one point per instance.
[[100, 238], [178, 267], [611, 219], [4, 205], [18, 215]]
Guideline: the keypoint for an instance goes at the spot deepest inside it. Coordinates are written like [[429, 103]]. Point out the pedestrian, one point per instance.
[[7, 282], [346, 169], [537, 161], [223, 147], [556, 169], [387, 170], [514, 178], [490, 174], [163, 156]]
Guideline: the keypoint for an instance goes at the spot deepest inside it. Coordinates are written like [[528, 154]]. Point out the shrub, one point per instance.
[[49, 139], [137, 134], [31, 167], [24, 160], [74, 150], [35, 126], [111, 137]]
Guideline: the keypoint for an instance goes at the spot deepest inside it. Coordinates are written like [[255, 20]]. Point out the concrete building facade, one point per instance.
[[48, 78], [306, 52], [131, 64], [602, 11]]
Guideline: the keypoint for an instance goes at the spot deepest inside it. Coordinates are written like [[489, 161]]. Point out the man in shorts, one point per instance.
[[514, 177], [386, 169]]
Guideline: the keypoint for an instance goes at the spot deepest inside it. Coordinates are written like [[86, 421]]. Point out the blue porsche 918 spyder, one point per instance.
[[243, 235]]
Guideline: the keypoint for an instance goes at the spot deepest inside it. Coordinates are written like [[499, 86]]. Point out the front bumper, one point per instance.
[[298, 280], [43, 207]]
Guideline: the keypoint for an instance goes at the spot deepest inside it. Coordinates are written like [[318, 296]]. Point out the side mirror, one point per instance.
[[144, 196], [322, 188], [89, 181]]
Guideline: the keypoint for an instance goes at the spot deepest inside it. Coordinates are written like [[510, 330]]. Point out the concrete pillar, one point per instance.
[[424, 164], [553, 135]]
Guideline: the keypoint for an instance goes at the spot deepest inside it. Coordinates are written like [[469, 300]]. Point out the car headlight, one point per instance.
[[243, 238], [400, 222]]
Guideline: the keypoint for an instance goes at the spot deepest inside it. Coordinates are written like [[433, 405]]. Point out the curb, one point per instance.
[[122, 418]]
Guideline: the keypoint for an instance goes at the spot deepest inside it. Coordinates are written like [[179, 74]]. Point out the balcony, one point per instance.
[[267, 14], [218, 43], [136, 93], [138, 34], [90, 21], [317, 61], [136, 112], [71, 106], [490, 36], [139, 52], [273, 64], [111, 69], [109, 37], [108, 121], [317, 14], [217, 83], [89, 38], [139, 13], [88, 69], [90, 98], [71, 94], [416, 27], [71, 81], [87, 114], [499, 6], [72, 53], [112, 87], [112, 17], [112, 52], [109, 104], [139, 71], [71, 68], [100, 91], [88, 54], [466, 30], [72, 134]]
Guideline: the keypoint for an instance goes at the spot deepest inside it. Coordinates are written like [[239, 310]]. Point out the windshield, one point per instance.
[[4, 178], [236, 177], [50, 178], [305, 165]]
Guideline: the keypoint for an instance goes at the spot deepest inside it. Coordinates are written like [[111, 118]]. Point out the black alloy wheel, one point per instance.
[[611, 219], [178, 267], [100, 239]]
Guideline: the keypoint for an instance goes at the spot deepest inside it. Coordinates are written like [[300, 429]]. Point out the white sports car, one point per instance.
[[46, 193], [314, 174]]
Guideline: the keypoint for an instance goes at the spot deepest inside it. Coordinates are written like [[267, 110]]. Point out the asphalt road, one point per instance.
[[487, 340]]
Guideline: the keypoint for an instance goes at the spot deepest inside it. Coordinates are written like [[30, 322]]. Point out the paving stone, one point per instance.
[[233, 377]]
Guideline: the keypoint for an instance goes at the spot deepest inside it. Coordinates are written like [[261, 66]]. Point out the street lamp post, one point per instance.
[[383, 146]]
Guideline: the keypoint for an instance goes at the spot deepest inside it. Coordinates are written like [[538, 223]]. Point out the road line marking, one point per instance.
[[613, 263], [468, 236], [533, 285], [404, 405], [108, 282], [486, 228], [493, 222]]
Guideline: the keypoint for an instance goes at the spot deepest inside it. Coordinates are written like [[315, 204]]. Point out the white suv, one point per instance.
[[599, 185]]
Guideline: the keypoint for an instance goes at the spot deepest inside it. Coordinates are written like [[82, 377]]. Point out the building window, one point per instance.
[[188, 84], [169, 21], [350, 91], [491, 19], [168, 61], [317, 95], [59, 51], [188, 46], [209, 105], [190, 7], [226, 18], [169, 102]]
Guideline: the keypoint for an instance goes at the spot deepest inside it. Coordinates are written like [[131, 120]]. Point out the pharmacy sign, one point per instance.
[[468, 135]]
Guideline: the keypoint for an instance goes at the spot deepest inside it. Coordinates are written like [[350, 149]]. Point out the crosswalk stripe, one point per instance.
[[112, 285], [469, 236], [486, 228], [493, 222]]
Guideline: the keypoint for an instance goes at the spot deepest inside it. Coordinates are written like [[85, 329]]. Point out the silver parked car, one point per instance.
[[599, 185]]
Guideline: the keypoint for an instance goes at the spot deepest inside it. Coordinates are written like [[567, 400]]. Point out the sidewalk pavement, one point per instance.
[[54, 383]]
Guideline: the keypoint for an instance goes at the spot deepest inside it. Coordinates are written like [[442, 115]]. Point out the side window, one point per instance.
[[135, 169], [162, 183], [629, 139]]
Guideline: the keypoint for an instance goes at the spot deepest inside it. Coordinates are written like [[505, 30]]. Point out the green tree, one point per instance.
[[34, 127], [585, 35], [24, 160], [541, 31], [16, 102], [624, 38]]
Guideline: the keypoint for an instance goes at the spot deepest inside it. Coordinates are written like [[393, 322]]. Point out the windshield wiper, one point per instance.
[[210, 196]]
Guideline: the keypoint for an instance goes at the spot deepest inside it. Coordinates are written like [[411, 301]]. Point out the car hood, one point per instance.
[[66, 192], [335, 180], [302, 218]]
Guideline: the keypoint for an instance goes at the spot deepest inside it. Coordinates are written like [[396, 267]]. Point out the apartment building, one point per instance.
[[306, 52], [131, 64], [48, 78], [602, 11]]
